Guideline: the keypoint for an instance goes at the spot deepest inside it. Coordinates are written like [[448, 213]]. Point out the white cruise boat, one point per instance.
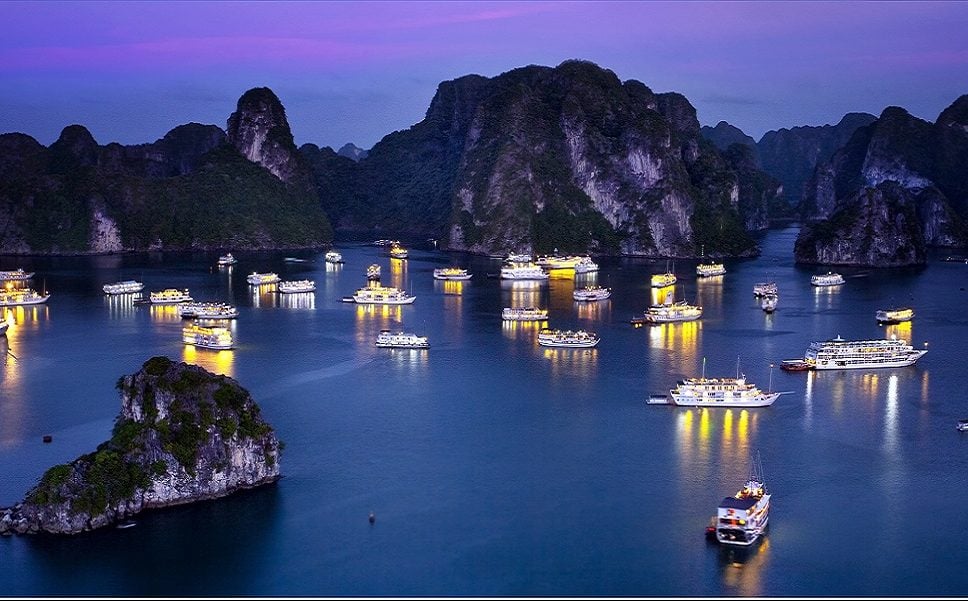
[[398, 252], [518, 258], [764, 288], [524, 314], [827, 279], [205, 337], [768, 302], [22, 296], [669, 312], [257, 279], [586, 265], [17, 275], [373, 273], [661, 280], [208, 310], [333, 257], [742, 518], [451, 273], [708, 270], [295, 286], [559, 262], [861, 354], [567, 338], [591, 293], [382, 295], [721, 392], [387, 339], [898, 315], [529, 271], [169, 296], [227, 259], [123, 287]]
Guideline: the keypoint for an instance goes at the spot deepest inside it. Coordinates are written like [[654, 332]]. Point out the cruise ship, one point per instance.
[[567, 338], [398, 252], [591, 293], [205, 337], [451, 273], [17, 275], [373, 273], [559, 262], [295, 286], [528, 271], [123, 287], [708, 270], [721, 392], [257, 279], [227, 259], [764, 288], [861, 354], [742, 518], [586, 265], [827, 279], [524, 314], [333, 257], [768, 302], [387, 339], [889, 316], [208, 310], [518, 258], [382, 295], [22, 296], [170, 296], [669, 312], [661, 280]]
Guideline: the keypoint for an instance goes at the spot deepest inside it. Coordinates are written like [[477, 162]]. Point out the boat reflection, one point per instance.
[[264, 296], [679, 339], [824, 297], [120, 306], [902, 331], [164, 313], [398, 273], [566, 363], [593, 310], [723, 432], [522, 330], [658, 296], [450, 287], [742, 568], [709, 292], [218, 362], [586, 279], [297, 300], [521, 293], [370, 319], [333, 267]]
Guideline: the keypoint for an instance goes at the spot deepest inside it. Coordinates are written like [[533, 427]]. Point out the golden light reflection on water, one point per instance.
[[408, 361], [742, 569], [219, 362], [165, 313], [522, 330], [561, 295], [586, 279], [824, 296], [120, 306], [901, 331], [678, 340], [298, 300], [453, 303], [371, 318], [521, 293], [582, 363], [450, 287], [659, 295], [709, 292], [594, 310], [398, 273], [264, 295], [718, 443]]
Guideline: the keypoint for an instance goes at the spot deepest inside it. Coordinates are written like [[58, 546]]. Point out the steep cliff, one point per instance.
[[725, 135], [183, 435], [898, 185]]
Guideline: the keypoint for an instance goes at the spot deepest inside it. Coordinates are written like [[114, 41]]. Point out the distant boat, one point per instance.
[[827, 279], [295, 260], [334, 257], [962, 425], [258, 279], [764, 288], [227, 259], [891, 316], [387, 339], [742, 518], [17, 275], [567, 338], [124, 287], [769, 301]]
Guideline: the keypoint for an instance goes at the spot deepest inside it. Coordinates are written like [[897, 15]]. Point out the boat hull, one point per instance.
[[406, 301], [568, 344], [901, 362], [764, 400], [35, 301], [452, 277]]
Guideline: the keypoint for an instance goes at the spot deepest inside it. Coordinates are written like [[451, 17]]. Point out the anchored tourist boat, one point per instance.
[[669, 312], [586, 265], [827, 279], [373, 273], [708, 270], [333, 257], [962, 425], [524, 314], [386, 339], [769, 302], [742, 518], [17, 275], [170, 296], [205, 337], [295, 286], [258, 279], [764, 288], [661, 280], [559, 261], [894, 315], [518, 258], [722, 392], [529, 271], [382, 295], [227, 259], [124, 287], [861, 354], [567, 338], [208, 310], [795, 365], [451, 273], [22, 296], [398, 252], [591, 293]]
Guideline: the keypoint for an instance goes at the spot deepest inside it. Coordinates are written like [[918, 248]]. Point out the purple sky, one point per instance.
[[356, 71]]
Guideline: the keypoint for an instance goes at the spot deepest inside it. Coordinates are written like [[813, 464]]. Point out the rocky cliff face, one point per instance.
[[352, 152], [567, 157], [725, 135], [898, 185], [183, 435]]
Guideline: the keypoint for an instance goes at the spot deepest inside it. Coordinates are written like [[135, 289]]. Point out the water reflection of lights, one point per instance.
[[264, 295], [581, 363], [586, 279], [26, 317], [734, 429], [808, 398], [523, 293], [372, 318], [890, 423], [450, 287], [594, 310], [164, 313], [398, 273], [709, 292], [120, 305], [219, 362], [743, 568], [522, 330], [823, 296], [333, 267], [411, 360], [680, 338], [298, 300], [659, 295], [901, 331]]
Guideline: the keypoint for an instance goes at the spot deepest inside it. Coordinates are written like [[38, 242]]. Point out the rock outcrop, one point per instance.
[[725, 135], [183, 435], [897, 186]]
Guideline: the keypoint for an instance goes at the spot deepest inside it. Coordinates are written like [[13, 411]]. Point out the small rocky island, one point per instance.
[[183, 435]]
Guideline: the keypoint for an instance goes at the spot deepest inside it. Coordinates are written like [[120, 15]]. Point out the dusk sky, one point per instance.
[[356, 71]]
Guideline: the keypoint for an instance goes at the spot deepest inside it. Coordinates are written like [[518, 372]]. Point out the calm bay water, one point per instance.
[[497, 467]]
